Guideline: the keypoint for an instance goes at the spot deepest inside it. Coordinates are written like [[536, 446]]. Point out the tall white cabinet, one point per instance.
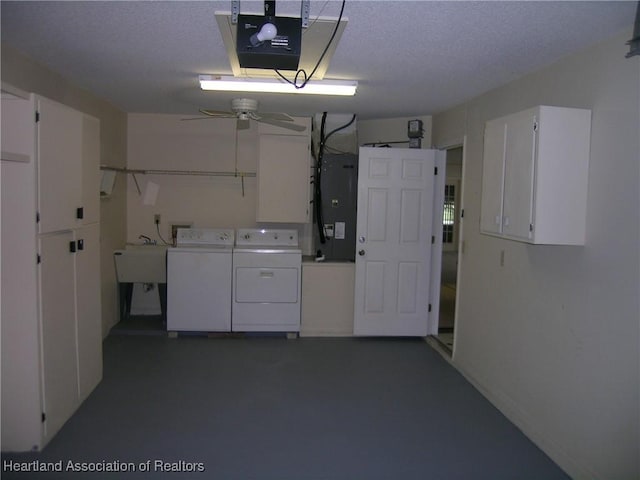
[[535, 174], [51, 313]]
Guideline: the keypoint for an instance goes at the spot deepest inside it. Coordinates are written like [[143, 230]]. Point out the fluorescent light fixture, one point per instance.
[[233, 84]]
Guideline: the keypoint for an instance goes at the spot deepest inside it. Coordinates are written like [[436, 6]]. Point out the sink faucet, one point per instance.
[[147, 240]]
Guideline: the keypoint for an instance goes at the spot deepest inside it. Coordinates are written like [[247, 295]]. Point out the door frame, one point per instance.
[[436, 247], [448, 145]]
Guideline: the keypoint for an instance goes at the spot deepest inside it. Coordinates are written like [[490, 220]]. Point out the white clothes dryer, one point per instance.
[[267, 272]]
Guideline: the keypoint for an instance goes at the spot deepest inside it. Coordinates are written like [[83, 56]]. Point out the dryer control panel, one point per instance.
[[272, 237]]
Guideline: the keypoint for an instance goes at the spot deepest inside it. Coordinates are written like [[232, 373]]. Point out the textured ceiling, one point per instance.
[[410, 58]]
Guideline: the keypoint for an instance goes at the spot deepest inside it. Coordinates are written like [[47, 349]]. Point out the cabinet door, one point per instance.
[[519, 176], [283, 178], [20, 349], [88, 308], [18, 129], [493, 177], [90, 169], [59, 154], [57, 314]]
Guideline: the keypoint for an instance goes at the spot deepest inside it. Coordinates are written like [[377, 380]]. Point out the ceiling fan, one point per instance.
[[245, 110]]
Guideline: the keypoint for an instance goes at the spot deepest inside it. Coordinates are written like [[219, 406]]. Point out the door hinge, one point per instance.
[[462, 213], [535, 126], [37, 217], [38, 259], [235, 10], [37, 116], [531, 227], [429, 310], [44, 417], [435, 170], [433, 239]]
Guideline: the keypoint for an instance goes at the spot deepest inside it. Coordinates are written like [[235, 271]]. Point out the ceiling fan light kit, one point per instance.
[[233, 84]]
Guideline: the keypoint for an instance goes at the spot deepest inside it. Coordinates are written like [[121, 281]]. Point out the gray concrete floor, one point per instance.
[[271, 408]]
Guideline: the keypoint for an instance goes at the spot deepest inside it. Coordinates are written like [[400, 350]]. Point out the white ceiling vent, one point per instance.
[[314, 40]]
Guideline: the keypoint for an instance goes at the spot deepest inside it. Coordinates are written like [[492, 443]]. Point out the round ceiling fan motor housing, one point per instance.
[[244, 105]]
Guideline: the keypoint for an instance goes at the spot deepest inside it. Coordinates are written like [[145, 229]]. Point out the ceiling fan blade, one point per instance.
[[283, 117], [278, 123], [217, 113], [242, 124]]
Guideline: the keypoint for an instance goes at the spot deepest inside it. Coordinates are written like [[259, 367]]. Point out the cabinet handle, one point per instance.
[[72, 247], [79, 213]]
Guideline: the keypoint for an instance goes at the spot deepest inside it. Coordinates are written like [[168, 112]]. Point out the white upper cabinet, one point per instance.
[[284, 174], [59, 131], [68, 153], [18, 128], [535, 173]]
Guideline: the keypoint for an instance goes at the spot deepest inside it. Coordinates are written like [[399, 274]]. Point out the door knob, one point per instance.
[[361, 253]]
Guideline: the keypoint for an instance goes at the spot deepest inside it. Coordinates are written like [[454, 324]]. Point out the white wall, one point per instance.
[[166, 142], [552, 337], [389, 130]]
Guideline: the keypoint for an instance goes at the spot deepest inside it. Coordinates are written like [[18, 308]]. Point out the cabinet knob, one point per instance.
[[361, 253]]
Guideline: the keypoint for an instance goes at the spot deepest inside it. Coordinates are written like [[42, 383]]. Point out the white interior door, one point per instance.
[[394, 240]]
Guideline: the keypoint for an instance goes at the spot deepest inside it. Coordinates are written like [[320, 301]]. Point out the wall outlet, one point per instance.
[[156, 218]]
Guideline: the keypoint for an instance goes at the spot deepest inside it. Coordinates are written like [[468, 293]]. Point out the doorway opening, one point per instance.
[[450, 240]]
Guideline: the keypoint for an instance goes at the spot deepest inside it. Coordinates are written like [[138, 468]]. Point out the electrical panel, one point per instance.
[[339, 184]]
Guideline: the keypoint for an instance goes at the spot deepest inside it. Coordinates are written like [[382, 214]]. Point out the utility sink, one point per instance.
[[141, 264]]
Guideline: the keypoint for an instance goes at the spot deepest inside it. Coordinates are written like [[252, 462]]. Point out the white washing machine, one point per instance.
[[199, 277], [267, 272]]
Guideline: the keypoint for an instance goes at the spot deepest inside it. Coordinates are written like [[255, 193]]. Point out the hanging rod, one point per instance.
[[201, 173], [178, 172]]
